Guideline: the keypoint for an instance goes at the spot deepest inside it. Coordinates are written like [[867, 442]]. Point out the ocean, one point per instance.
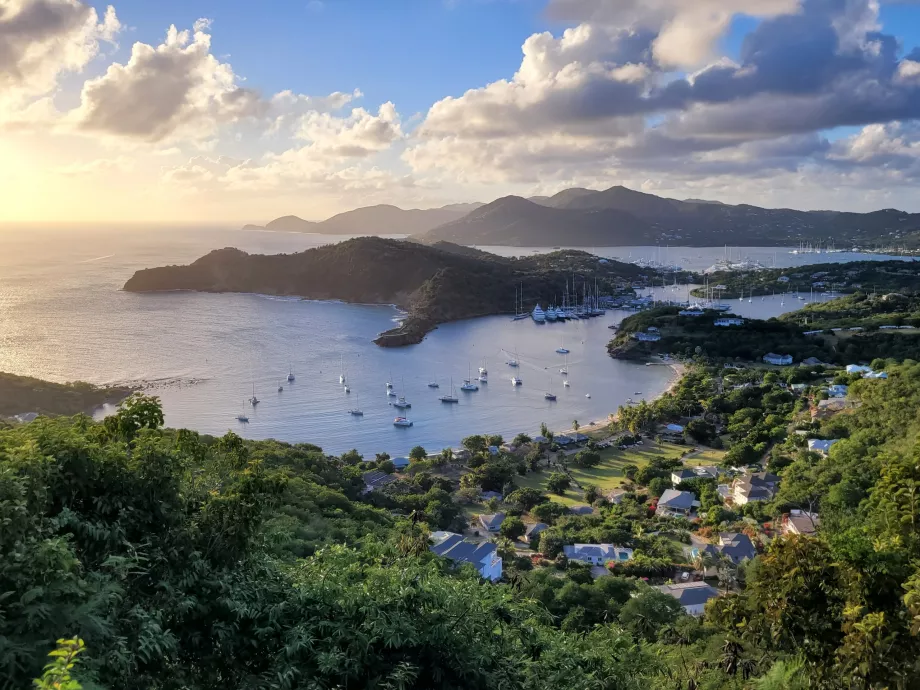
[[63, 317]]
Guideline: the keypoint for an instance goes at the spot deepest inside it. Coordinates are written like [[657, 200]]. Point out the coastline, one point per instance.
[[678, 371]]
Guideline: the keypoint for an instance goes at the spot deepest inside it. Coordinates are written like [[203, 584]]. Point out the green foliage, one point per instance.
[[648, 612], [20, 394], [587, 459], [525, 498], [558, 482], [417, 453], [513, 528], [57, 672]]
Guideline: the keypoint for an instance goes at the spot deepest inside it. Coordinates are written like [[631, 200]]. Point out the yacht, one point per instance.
[[562, 351], [391, 393], [401, 403], [241, 417], [291, 376], [280, 388], [451, 398], [482, 369], [538, 315], [515, 381], [565, 368], [566, 383], [342, 375], [483, 378], [434, 384], [468, 385], [587, 395], [356, 411], [253, 400], [550, 314], [402, 421], [513, 362], [347, 389], [549, 396]]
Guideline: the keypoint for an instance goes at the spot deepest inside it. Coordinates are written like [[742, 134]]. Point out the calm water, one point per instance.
[[63, 317]]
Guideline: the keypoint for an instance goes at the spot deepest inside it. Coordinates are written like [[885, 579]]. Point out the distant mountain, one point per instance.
[[621, 216], [434, 283], [382, 219], [519, 222]]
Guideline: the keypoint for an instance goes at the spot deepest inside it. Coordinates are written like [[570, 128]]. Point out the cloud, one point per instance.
[[359, 135], [177, 89], [604, 96], [42, 39], [96, 166]]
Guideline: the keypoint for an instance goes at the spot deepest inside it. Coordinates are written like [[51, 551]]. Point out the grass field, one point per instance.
[[707, 456], [608, 475]]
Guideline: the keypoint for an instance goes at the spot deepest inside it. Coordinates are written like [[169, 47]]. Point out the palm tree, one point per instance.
[[702, 561], [575, 425]]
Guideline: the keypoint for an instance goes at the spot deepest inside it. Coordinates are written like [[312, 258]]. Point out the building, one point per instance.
[[736, 547], [837, 390], [677, 476], [728, 321], [782, 279], [778, 360], [492, 523], [376, 479], [706, 471], [692, 311], [800, 522], [820, 446], [692, 596], [535, 529], [647, 337], [675, 428], [760, 486], [582, 510], [858, 369], [828, 408], [597, 554], [400, 463], [483, 556], [615, 496], [676, 503]]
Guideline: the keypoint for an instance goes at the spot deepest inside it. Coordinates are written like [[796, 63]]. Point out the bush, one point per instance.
[[513, 528], [558, 483], [549, 512], [417, 453]]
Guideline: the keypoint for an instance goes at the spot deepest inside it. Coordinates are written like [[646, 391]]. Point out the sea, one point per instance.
[[64, 317]]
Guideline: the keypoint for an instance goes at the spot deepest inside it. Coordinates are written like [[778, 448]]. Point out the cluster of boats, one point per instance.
[[551, 313]]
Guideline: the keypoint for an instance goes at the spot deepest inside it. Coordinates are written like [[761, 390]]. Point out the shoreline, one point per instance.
[[678, 371]]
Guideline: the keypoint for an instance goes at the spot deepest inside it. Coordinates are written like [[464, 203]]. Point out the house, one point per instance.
[[828, 408], [812, 362], [877, 375], [676, 503], [783, 279], [493, 522], [597, 554], [728, 321], [800, 522], [676, 428], [400, 463], [837, 390], [706, 471], [759, 486], [580, 438], [535, 529], [581, 510], [812, 333], [778, 360], [376, 479], [483, 556], [736, 546], [692, 596], [858, 369], [677, 476], [563, 440], [647, 337], [821, 446]]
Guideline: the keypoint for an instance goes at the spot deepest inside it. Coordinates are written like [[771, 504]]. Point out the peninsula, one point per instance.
[[24, 395], [433, 283]]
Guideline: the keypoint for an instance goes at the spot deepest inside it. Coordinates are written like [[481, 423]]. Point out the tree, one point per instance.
[[700, 431], [495, 440], [591, 494], [135, 413], [587, 458], [658, 485], [386, 466], [575, 425], [548, 512], [476, 444], [558, 483], [544, 430], [521, 439], [630, 471], [513, 528], [418, 453], [352, 457], [381, 457], [649, 611], [525, 498]]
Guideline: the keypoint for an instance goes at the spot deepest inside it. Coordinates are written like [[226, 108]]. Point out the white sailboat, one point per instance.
[[549, 395], [290, 375], [451, 398], [468, 384], [253, 400], [402, 421], [356, 410], [565, 368], [342, 375]]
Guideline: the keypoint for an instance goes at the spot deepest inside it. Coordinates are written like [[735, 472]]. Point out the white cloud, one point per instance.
[[175, 90], [359, 135], [96, 166], [42, 39]]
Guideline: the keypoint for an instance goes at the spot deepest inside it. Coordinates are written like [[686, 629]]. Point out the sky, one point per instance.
[[222, 111]]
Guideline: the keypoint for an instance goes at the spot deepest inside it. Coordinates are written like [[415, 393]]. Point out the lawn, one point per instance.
[[706, 456], [608, 475]]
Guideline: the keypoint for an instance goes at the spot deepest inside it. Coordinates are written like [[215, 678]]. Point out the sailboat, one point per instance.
[[515, 381], [562, 349], [291, 375], [253, 400], [342, 375], [451, 398], [434, 384], [468, 384], [566, 383], [280, 387], [549, 395], [519, 312], [565, 369], [401, 401], [356, 410], [390, 381], [483, 373], [242, 417]]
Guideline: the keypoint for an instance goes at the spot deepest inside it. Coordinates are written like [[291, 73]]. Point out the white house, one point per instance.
[[728, 321], [691, 595], [647, 337], [597, 554], [858, 369], [821, 446], [760, 486], [778, 360], [483, 556], [676, 503], [837, 390]]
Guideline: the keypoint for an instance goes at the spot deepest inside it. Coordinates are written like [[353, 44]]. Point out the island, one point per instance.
[[23, 395], [434, 283]]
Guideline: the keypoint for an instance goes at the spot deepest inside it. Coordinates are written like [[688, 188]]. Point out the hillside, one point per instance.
[[620, 216], [435, 284], [382, 219], [520, 222], [22, 394]]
